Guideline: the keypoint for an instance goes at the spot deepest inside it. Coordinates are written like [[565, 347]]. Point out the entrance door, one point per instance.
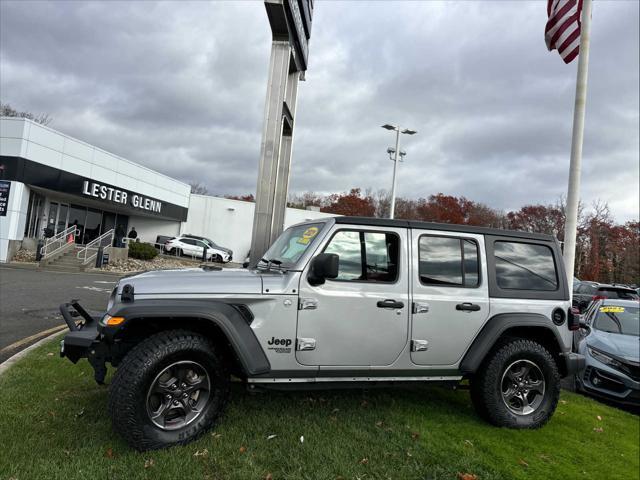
[[63, 212], [361, 317], [450, 295]]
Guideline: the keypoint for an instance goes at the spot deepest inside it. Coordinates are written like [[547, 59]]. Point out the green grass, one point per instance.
[[53, 424]]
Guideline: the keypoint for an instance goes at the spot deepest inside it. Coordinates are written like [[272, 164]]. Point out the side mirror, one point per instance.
[[322, 267]]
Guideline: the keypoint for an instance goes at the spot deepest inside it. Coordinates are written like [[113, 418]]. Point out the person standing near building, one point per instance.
[[133, 234], [119, 235]]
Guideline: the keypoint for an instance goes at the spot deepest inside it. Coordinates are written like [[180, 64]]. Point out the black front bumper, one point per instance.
[[83, 339]]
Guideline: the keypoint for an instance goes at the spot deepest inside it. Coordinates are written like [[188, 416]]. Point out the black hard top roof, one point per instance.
[[449, 227]]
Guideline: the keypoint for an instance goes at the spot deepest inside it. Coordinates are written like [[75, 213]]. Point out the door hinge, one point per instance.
[[420, 307], [307, 304], [419, 345], [303, 344]]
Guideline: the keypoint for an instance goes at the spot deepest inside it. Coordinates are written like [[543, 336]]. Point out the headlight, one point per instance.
[[604, 358]]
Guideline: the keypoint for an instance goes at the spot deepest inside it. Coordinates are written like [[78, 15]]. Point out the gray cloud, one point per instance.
[[180, 87]]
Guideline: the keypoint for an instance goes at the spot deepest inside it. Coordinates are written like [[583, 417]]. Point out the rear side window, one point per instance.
[[366, 256], [448, 261], [525, 266]]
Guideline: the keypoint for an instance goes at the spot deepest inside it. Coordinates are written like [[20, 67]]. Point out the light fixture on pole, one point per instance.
[[406, 131]]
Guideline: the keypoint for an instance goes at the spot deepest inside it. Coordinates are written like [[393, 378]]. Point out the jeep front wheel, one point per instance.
[[168, 390], [518, 386]]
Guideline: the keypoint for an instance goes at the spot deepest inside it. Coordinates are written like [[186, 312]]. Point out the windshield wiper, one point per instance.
[[272, 261]]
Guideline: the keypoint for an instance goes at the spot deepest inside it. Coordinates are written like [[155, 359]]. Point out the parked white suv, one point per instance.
[[195, 248]]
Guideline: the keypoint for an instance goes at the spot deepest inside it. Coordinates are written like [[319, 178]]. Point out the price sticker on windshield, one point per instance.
[[308, 235], [612, 309]]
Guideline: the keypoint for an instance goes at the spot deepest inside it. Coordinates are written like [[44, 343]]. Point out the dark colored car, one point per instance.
[[211, 243], [161, 240], [609, 341], [587, 292]]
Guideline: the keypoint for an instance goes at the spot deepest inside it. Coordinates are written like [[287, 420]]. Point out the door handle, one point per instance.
[[389, 303], [468, 307]]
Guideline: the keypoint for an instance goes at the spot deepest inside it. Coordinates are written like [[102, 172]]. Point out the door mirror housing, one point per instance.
[[322, 267]]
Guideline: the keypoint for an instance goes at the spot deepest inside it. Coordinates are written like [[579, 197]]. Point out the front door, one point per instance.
[[360, 318], [450, 295]]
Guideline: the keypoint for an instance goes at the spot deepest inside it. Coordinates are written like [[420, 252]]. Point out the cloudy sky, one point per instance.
[[180, 87]]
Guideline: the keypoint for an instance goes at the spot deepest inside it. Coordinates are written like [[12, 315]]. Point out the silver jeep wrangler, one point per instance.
[[343, 300]]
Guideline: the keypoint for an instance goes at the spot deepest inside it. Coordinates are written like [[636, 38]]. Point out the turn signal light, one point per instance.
[[113, 321]]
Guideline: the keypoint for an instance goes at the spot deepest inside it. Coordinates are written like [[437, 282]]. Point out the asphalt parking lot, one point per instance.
[[29, 301]]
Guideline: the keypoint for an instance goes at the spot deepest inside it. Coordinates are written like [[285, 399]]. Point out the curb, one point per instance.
[[9, 362]]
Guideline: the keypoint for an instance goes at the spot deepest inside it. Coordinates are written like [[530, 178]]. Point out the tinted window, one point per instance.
[[448, 261], [617, 293], [188, 241], [366, 256], [525, 266], [587, 289]]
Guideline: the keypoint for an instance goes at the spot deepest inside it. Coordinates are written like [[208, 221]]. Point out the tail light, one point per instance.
[[573, 315]]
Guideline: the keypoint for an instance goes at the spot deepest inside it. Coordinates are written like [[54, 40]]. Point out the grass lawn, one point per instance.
[[53, 424]]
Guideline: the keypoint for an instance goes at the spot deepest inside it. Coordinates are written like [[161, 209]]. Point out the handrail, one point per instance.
[[58, 242], [90, 250]]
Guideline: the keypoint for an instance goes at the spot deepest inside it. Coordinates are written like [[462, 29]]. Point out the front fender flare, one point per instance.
[[233, 325]]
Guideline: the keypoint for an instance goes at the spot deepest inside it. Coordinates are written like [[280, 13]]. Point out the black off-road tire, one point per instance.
[[486, 386], [137, 371]]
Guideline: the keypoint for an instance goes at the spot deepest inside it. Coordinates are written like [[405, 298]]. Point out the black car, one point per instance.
[[587, 292]]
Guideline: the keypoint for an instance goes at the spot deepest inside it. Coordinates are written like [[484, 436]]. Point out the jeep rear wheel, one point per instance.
[[518, 386], [169, 389]]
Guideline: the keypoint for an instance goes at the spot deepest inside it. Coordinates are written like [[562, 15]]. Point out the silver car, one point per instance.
[[334, 302], [609, 340]]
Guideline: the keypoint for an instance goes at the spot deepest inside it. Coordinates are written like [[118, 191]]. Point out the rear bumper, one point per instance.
[[84, 340], [575, 362]]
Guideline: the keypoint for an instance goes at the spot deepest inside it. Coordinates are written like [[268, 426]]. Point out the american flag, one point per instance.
[[563, 28]]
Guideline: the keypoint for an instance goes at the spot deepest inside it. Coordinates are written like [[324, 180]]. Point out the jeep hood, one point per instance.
[[623, 346], [194, 281]]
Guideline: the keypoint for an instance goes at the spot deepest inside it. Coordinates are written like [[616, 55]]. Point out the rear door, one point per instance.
[[450, 294]]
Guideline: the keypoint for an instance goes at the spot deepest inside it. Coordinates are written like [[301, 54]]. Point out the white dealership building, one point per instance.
[[50, 181]]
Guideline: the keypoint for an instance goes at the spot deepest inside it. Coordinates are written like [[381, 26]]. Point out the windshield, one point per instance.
[[291, 245], [618, 319]]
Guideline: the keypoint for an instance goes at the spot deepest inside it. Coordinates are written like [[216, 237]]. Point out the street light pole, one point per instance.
[[395, 173], [406, 131]]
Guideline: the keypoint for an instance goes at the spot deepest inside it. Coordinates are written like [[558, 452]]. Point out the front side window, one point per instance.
[[366, 256], [448, 261], [525, 266]]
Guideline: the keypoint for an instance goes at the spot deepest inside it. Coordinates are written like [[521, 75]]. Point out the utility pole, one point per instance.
[[406, 131]]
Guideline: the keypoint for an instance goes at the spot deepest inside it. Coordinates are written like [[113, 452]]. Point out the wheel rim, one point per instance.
[[178, 395], [523, 387]]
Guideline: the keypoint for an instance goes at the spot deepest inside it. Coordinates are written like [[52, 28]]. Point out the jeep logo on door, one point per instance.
[[280, 345]]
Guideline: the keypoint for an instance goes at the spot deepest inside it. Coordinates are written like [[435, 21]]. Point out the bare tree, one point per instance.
[[199, 188], [7, 111]]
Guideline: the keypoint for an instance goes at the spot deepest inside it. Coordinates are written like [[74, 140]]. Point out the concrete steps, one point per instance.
[[66, 262]]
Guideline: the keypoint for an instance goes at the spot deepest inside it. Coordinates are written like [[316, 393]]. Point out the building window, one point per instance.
[[366, 256], [448, 261], [525, 266]]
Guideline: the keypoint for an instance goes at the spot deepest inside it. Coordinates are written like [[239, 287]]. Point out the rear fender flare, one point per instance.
[[493, 330]]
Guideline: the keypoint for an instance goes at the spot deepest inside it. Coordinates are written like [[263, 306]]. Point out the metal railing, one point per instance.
[[58, 242], [90, 250]]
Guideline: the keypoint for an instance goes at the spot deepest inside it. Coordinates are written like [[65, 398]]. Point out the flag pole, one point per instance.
[[573, 193]]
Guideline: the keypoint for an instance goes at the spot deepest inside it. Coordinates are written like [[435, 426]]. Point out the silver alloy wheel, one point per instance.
[[178, 395], [522, 387]]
